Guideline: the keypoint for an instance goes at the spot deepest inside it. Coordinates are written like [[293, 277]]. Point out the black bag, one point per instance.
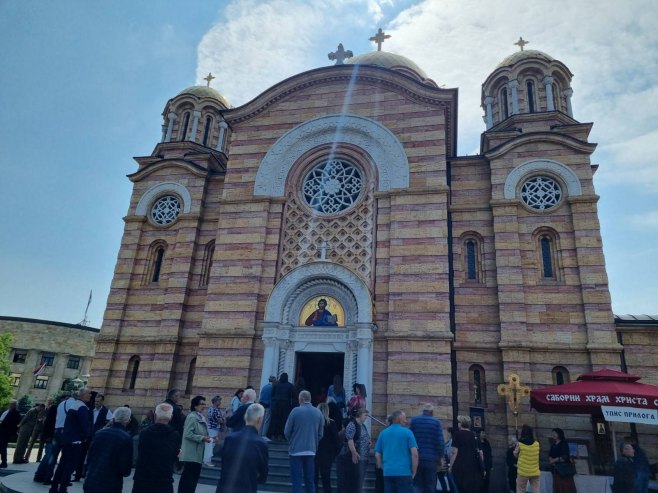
[[565, 469]]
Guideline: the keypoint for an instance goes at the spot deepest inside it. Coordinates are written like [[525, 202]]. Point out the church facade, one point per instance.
[[444, 274]]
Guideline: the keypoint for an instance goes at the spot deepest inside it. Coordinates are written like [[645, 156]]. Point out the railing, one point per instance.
[[377, 420]]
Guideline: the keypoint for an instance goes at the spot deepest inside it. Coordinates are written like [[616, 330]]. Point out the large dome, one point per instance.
[[391, 61], [522, 55], [205, 92]]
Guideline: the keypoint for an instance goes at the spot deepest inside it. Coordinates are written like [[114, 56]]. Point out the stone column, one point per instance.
[[488, 101], [513, 85], [57, 378], [364, 358], [170, 126], [269, 355], [195, 124], [568, 92], [548, 85], [222, 134]]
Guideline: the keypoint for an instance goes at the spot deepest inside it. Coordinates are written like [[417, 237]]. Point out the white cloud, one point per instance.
[[646, 220]]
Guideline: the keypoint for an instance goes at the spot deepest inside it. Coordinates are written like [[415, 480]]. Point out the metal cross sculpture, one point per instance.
[[379, 38], [340, 54], [208, 79], [513, 391], [521, 43]]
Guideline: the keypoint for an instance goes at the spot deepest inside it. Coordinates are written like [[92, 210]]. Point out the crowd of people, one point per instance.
[[83, 440]]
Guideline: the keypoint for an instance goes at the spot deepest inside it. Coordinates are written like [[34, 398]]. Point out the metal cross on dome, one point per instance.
[[208, 79], [340, 54], [521, 43], [379, 38]]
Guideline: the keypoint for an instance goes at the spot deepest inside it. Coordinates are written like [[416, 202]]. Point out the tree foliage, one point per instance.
[[25, 403], [6, 390]]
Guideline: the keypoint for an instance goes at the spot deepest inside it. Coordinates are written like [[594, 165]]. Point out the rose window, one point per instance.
[[165, 210], [541, 193], [332, 186]]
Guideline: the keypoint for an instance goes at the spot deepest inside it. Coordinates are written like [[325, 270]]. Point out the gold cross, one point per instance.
[[209, 78], [379, 38], [521, 43], [514, 391]]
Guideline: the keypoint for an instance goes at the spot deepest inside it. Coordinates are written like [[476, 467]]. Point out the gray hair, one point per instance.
[[428, 408], [253, 413], [464, 422], [304, 396], [122, 414], [249, 395], [164, 411], [395, 417]]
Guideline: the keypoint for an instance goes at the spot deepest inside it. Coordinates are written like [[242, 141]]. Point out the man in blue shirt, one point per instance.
[[396, 452], [429, 436], [266, 401]]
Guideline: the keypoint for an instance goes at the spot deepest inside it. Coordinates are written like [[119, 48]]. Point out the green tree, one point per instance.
[[6, 390], [25, 403]]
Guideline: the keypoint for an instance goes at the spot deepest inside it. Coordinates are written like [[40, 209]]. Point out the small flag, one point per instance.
[[39, 369]]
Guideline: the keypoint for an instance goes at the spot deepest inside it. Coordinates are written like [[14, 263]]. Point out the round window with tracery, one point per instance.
[[165, 210], [541, 193], [332, 186]]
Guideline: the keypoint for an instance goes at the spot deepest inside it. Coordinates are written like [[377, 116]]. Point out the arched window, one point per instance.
[[157, 264], [504, 108], [131, 373], [206, 132], [546, 245], [472, 257], [471, 261], [182, 135], [207, 263], [478, 386], [560, 375], [530, 92], [190, 376]]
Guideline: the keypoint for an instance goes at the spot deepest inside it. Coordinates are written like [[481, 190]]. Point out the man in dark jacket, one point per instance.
[[282, 399], [244, 456], [47, 465], [110, 456], [429, 437], [8, 429], [178, 419], [158, 451], [236, 421], [77, 427]]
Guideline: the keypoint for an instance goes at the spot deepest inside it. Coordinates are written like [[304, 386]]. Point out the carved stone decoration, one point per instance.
[[160, 189], [349, 236], [283, 295], [520, 172], [380, 143], [320, 287]]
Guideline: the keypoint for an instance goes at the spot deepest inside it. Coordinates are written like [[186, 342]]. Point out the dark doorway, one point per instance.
[[317, 371]]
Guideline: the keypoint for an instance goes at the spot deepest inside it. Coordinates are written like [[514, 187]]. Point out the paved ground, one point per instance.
[[23, 482]]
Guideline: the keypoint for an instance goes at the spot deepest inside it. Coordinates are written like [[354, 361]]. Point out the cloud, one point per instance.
[[646, 220], [262, 43]]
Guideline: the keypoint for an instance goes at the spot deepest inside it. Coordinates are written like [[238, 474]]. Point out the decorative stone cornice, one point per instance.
[[543, 138]]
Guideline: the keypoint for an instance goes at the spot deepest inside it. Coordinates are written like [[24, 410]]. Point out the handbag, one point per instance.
[[565, 469]]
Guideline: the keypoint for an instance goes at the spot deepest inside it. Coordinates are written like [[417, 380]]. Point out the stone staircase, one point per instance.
[[278, 478]]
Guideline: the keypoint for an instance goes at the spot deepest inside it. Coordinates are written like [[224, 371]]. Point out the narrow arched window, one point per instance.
[[503, 103], [207, 263], [546, 245], [530, 92], [471, 261], [477, 385], [157, 264], [206, 132], [560, 375], [186, 123], [131, 373], [556, 101], [190, 376]]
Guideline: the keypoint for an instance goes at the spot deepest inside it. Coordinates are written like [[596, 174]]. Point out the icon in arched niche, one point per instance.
[[322, 311]]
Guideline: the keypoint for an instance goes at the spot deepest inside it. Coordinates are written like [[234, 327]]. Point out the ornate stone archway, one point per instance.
[[283, 336]]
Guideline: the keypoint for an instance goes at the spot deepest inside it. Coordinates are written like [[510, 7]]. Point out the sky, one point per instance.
[[83, 86]]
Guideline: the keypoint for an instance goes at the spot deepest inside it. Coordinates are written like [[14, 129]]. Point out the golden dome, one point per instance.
[[391, 61], [205, 92]]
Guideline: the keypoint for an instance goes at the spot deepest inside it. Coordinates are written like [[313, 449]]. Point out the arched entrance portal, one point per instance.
[[316, 352]]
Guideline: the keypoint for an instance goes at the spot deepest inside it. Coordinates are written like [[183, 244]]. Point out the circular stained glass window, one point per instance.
[[332, 186], [165, 210], [541, 193]]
